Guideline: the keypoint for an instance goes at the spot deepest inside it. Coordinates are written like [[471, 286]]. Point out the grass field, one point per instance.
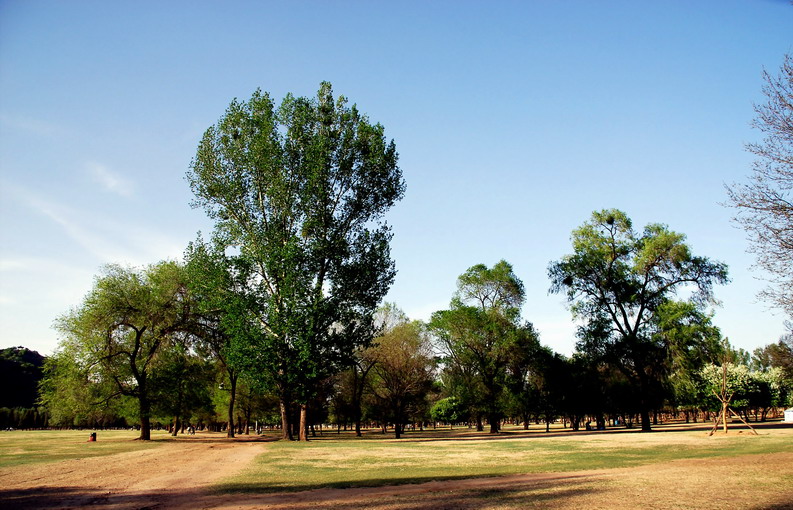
[[22, 447], [333, 461], [677, 466]]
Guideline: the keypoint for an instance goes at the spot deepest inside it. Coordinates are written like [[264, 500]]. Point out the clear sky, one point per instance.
[[513, 120]]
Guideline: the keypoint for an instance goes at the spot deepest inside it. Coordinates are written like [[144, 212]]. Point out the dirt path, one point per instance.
[[169, 476]]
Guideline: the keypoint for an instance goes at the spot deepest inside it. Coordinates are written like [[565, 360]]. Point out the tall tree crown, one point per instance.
[[300, 191], [623, 277], [496, 288]]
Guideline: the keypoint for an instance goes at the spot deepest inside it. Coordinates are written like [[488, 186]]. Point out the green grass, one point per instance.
[[23, 447], [343, 462]]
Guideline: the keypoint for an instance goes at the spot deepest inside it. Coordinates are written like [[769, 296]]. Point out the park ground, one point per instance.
[[677, 466]]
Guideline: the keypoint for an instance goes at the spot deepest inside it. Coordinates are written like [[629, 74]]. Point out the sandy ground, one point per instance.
[[176, 475]]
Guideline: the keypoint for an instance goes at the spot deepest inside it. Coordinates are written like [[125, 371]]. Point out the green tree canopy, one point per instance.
[[116, 338], [480, 331], [300, 191], [617, 282], [224, 317], [402, 371]]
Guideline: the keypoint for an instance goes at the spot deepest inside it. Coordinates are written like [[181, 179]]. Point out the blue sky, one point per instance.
[[513, 120]]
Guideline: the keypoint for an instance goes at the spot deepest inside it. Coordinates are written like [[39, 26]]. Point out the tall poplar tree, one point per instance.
[[300, 191]]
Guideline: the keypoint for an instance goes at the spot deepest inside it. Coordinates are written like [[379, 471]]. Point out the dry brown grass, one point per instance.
[[667, 469]]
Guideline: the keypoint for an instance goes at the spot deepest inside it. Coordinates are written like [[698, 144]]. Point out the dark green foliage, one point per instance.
[[23, 418], [181, 385], [778, 355], [20, 373], [524, 372], [223, 321]]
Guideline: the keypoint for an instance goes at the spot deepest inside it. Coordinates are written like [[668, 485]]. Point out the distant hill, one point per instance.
[[20, 373]]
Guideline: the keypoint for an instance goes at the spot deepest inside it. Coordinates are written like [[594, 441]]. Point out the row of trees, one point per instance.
[[475, 363], [164, 336]]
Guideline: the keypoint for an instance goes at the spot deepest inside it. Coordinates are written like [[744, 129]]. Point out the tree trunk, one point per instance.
[[494, 423], [646, 424], [303, 422], [724, 406], [286, 424], [232, 397], [145, 416], [357, 394], [248, 411], [175, 426], [356, 409]]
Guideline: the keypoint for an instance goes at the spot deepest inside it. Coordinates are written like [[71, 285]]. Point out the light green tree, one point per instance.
[[726, 387], [113, 342]]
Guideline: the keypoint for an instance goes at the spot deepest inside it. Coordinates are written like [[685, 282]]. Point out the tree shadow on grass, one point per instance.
[[263, 487], [484, 436], [779, 506], [517, 491], [452, 492], [434, 493], [75, 497], [539, 432]]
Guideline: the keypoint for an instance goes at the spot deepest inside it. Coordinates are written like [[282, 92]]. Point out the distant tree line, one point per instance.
[[477, 363]]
